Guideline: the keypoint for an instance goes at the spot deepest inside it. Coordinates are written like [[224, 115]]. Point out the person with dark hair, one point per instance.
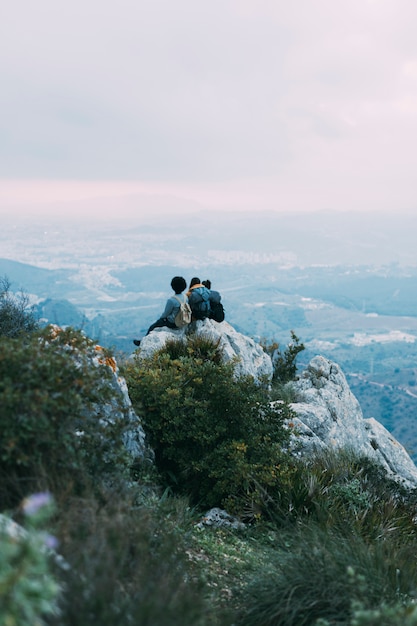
[[172, 307], [216, 307], [199, 299]]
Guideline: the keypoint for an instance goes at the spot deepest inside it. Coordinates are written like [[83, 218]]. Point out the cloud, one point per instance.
[[313, 102]]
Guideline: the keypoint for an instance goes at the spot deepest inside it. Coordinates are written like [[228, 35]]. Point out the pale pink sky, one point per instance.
[[232, 104]]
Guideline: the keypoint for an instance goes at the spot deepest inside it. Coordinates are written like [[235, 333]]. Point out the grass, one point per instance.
[[139, 556], [226, 560], [334, 542]]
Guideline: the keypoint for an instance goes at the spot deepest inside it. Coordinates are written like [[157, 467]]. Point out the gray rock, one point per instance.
[[328, 416], [249, 356], [218, 518], [10, 528], [134, 436], [120, 406]]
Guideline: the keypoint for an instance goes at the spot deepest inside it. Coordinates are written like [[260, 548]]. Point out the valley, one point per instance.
[[274, 275]]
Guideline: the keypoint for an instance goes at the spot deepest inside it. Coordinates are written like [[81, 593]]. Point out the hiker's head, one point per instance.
[[207, 283], [194, 281], [178, 284]]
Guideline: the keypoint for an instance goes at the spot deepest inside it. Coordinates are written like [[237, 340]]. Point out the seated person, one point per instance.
[[199, 299], [172, 307], [216, 307]]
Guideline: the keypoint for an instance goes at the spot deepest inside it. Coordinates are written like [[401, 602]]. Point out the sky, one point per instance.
[[308, 105]]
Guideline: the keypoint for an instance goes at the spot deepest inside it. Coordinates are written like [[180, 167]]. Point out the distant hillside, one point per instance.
[[36, 280], [392, 401]]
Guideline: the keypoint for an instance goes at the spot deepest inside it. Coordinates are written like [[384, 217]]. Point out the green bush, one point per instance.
[[284, 367], [56, 434], [396, 615], [216, 437], [15, 317], [284, 361]]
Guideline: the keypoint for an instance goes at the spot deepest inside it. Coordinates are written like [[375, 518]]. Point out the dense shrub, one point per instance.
[[215, 437], [55, 433], [15, 316]]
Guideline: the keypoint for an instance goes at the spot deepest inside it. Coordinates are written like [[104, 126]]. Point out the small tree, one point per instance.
[[15, 316], [284, 362]]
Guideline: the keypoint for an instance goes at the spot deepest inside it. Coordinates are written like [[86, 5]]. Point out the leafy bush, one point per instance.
[[15, 317], [56, 434], [215, 437]]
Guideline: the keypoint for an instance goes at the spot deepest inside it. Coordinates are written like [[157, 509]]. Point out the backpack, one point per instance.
[[217, 312], [183, 317], [200, 302]]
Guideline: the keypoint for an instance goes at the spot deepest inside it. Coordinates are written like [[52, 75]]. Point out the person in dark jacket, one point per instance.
[[199, 299], [172, 307], [216, 307], [214, 295]]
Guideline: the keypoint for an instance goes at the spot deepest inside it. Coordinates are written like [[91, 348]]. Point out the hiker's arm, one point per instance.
[[168, 308]]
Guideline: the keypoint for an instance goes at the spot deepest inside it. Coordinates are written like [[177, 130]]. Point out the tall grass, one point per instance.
[[322, 573], [351, 543], [128, 565]]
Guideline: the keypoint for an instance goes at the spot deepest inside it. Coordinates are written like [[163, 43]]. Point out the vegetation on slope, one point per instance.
[[331, 541], [217, 438]]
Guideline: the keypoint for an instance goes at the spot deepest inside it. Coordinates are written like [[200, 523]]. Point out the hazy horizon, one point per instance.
[[128, 199], [249, 105], [210, 237]]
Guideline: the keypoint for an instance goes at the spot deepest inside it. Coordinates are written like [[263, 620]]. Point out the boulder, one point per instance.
[[329, 416], [249, 356], [218, 518]]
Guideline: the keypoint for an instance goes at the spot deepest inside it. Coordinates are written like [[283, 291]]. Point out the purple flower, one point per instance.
[[50, 541], [32, 504]]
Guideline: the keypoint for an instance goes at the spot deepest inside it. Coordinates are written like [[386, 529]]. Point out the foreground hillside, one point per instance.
[[314, 540]]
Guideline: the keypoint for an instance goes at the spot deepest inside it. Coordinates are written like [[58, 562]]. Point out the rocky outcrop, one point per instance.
[[329, 416], [249, 356], [120, 406]]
